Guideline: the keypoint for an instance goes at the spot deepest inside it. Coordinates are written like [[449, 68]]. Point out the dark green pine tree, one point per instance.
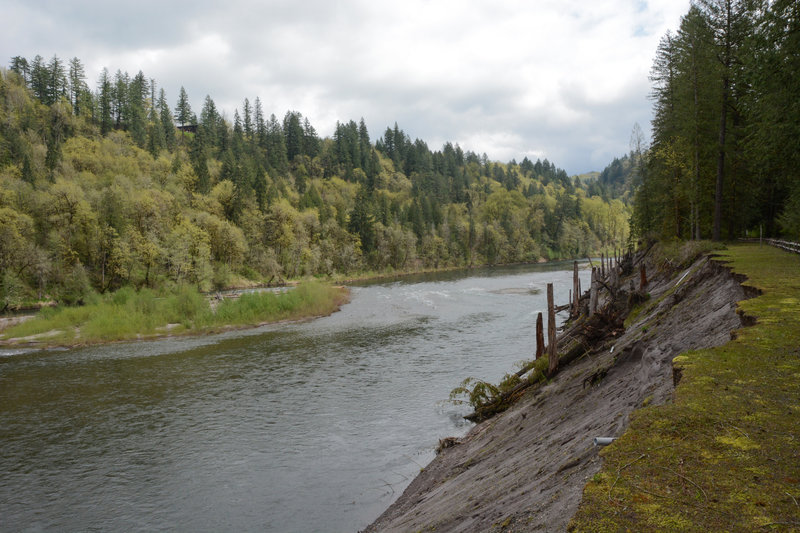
[[208, 128], [57, 86], [293, 132], [137, 114], [183, 110], [165, 120], [361, 221], [119, 99], [40, 80], [732, 23], [247, 120], [310, 139], [260, 124], [277, 156], [104, 99], [77, 86], [20, 65], [156, 142], [197, 155]]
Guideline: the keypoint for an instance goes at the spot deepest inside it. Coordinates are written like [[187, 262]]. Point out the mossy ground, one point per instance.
[[725, 456]]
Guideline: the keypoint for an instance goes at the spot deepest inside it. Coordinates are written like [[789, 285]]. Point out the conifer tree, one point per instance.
[[104, 102], [183, 110], [165, 119], [77, 85]]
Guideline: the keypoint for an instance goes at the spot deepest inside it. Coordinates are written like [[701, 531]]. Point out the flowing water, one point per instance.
[[315, 426]]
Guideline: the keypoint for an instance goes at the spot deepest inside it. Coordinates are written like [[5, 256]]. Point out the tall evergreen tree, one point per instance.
[[40, 79], [310, 139], [165, 119], [20, 65], [77, 85], [260, 124], [293, 133], [105, 97], [247, 120], [731, 23], [183, 109], [57, 86], [208, 128]]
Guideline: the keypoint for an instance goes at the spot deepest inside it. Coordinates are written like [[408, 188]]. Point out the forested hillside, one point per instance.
[[724, 157], [114, 186]]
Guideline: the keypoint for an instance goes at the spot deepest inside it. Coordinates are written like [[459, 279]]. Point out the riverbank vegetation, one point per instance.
[[723, 456], [132, 314], [113, 187]]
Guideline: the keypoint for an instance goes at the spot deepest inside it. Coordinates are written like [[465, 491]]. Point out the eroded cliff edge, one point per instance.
[[524, 469]]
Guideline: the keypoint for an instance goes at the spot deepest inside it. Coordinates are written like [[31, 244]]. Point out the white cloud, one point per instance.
[[562, 79]]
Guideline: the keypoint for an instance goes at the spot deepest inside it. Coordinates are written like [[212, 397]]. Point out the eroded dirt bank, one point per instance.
[[524, 469]]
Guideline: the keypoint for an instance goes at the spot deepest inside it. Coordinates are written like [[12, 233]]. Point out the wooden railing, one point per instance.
[[784, 245]]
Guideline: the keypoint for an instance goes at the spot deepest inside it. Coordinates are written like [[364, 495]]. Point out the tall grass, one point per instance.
[[128, 314], [308, 299]]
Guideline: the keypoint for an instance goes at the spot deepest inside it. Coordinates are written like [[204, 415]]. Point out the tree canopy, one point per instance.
[[723, 160], [99, 189]]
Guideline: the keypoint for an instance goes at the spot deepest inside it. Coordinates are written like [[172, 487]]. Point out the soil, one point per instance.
[[524, 469]]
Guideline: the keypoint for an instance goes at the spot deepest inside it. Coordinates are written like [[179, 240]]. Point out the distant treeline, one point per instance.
[[725, 153], [107, 187]]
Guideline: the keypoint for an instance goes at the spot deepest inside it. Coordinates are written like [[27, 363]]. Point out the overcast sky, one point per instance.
[[559, 79]]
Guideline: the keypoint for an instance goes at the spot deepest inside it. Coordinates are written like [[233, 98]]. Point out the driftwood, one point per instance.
[[580, 338], [582, 334], [562, 308]]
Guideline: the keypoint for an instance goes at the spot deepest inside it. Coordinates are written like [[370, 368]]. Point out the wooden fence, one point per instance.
[[784, 245]]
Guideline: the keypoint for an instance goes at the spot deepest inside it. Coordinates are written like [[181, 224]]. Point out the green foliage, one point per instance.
[[723, 160], [481, 394], [75, 286], [96, 193]]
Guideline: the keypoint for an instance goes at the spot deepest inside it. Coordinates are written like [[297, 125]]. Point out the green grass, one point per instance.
[[129, 314], [725, 456]]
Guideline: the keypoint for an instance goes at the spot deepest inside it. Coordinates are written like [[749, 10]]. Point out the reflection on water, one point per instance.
[[305, 427]]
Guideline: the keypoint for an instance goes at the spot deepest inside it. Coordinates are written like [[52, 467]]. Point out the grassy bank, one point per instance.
[[724, 455], [130, 314]]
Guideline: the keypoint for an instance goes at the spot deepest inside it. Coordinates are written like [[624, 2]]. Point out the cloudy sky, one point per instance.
[[561, 79]]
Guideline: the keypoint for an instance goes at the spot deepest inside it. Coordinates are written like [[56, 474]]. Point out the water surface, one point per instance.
[[316, 426]]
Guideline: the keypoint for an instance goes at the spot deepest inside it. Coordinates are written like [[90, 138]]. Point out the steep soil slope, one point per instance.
[[524, 469]]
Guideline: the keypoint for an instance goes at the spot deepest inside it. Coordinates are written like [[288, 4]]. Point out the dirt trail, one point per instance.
[[524, 469]]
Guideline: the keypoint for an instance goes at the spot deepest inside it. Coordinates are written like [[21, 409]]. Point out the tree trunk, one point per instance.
[[726, 82]]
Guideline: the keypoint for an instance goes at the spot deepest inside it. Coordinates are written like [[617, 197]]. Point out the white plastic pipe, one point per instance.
[[603, 441]]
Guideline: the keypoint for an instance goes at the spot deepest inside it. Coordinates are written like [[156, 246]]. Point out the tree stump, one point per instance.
[[593, 293], [551, 331], [539, 336], [576, 289]]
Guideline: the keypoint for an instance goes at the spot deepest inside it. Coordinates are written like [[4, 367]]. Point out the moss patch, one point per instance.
[[726, 455]]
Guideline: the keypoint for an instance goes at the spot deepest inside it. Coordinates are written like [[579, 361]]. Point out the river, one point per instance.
[[314, 426]]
